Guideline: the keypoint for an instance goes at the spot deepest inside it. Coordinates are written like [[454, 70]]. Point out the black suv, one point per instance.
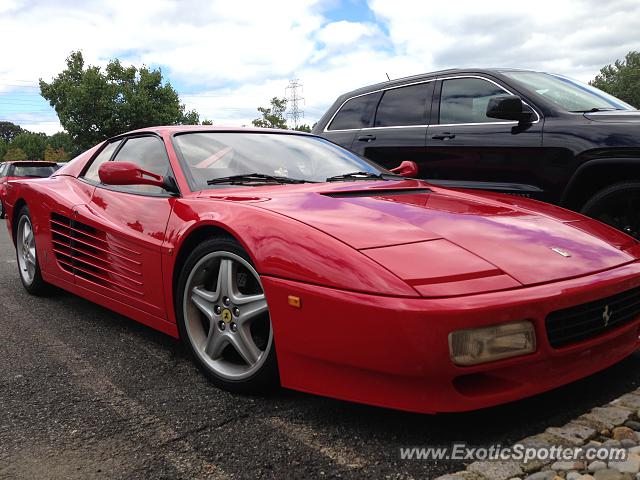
[[528, 133]]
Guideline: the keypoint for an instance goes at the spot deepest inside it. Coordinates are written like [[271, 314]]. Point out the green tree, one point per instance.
[[207, 122], [15, 154], [3, 148], [9, 130], [93, 105], [64, 141], [622, 79], [303, 128], [55, 154], [272, 117], [32, 144]]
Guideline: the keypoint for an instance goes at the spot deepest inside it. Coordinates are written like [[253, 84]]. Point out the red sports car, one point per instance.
[[283, 259], [22, 169]]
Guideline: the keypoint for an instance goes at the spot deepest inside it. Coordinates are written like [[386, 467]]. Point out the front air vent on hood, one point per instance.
[[377, 192]]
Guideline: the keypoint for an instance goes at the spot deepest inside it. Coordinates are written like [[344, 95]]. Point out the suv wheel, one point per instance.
[[617, 205]]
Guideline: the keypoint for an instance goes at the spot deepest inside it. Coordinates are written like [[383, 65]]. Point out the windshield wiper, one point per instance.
[[260, 178], [363, 176], [597, 109]]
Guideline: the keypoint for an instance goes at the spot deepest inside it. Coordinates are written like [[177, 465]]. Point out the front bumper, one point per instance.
[[393, 352]]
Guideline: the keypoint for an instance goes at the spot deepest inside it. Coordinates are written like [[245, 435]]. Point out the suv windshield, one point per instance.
[[219, 155], [569, 94]]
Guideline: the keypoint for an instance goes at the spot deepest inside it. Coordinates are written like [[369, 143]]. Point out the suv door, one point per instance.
[[399, 126], [467, 149], [124, 227]]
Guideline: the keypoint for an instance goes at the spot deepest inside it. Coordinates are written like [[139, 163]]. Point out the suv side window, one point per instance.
[[356, 113], [150, 155], [403, 106], [92, 172], [465, 100]]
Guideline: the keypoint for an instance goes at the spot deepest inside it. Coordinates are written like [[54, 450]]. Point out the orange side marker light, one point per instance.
[[294, 301]]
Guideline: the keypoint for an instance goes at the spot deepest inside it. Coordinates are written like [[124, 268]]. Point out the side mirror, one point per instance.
[[406, 169], [127, 173], [508, 107]]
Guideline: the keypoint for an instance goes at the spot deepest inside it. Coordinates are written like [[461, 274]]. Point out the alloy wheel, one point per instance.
[[227, 316]]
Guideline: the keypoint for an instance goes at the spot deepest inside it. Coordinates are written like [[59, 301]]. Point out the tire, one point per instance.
[[225, 324], [2, 213], [28, 263], [617, 205]]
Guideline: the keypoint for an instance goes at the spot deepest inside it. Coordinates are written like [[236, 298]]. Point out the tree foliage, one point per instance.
[[303, 128], [32, 144], [3, 148], [93, 105], [622, 79], [272, 117], [63, 140], [9, 130], [55, 154], [15, 154]]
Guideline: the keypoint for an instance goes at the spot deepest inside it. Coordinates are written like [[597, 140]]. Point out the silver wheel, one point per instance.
[[226, 316], [26, 246]]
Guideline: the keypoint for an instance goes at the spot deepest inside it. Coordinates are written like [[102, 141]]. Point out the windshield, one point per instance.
[[30, 171], [569, 94], [215, 155]]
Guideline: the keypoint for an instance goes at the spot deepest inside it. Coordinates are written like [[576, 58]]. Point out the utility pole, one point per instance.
[[295, 101]]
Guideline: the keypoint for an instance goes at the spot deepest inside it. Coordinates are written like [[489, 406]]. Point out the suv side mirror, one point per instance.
[[127, 173], [508, 107], [406, 169]]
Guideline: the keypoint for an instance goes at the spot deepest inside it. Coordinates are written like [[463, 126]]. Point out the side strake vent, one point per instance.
[[379, 192], [88, 253]]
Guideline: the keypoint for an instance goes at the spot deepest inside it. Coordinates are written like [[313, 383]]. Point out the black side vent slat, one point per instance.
[[582, 322], [85, 252]]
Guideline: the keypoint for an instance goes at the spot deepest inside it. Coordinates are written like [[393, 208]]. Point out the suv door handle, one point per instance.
[[366, 138], [443, 136]]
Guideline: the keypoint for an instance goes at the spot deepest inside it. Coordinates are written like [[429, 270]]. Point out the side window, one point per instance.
[[465, 100], [104, 156], [356, 113], [150, 155], [3, 167], [403, 106]]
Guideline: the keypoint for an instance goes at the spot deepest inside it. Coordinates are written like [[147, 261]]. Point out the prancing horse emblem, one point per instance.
[[606, 315]]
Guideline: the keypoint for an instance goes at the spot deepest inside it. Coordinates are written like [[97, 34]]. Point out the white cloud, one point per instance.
[[236, 55]]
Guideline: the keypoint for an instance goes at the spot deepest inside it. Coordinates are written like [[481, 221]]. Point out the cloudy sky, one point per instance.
[[227, 57]]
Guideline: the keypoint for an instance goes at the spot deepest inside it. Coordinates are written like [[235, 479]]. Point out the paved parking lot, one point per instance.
[[86, 393]]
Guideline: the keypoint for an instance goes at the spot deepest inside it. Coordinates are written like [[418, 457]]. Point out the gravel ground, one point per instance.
[[86, 393]]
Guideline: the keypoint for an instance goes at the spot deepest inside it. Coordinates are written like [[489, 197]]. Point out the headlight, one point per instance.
[[480, 345]]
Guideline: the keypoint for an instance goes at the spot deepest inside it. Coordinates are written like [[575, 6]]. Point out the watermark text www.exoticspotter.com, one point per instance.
[[518, 452]]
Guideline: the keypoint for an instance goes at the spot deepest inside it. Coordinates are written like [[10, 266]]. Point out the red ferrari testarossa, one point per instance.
[[281, 258]]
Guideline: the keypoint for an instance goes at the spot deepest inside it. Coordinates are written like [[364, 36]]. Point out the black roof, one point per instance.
[[428, 75]]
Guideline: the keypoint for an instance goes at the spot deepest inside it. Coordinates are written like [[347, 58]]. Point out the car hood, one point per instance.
[[427, 234], [618, 116]]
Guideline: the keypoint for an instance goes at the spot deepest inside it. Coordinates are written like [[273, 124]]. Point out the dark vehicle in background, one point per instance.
[[522, 132], [22, 169]]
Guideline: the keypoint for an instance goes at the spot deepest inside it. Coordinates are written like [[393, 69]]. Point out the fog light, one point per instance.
[[480, 345]]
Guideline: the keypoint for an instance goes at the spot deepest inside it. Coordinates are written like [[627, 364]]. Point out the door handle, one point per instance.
[[443, 136], [366, 138]]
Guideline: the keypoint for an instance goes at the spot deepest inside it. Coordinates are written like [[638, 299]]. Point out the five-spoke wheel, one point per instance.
[[26, 255], [224, 316]]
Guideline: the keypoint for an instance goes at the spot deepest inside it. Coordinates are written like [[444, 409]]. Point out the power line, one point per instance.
[[295, 101]]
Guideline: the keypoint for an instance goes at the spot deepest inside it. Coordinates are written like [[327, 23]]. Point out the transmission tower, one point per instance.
[[295, 101]]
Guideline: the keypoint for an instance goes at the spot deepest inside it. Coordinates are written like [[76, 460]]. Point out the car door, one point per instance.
[[399, 127], [124, 229], [467, 149]]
